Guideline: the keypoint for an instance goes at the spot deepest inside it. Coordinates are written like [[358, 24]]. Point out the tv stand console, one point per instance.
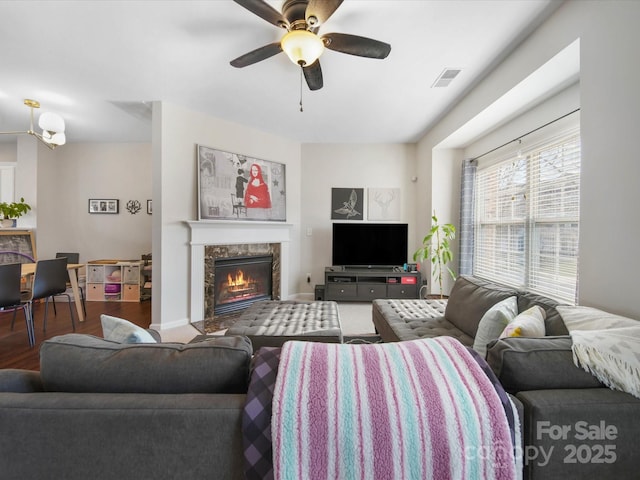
[[366, 284]]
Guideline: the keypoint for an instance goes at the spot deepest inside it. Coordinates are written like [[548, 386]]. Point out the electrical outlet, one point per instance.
[[308, 278]]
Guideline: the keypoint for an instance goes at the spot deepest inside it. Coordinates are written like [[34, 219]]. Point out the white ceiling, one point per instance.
[[100, 63]]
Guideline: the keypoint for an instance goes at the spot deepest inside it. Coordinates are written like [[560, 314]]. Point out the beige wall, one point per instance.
[[58, 184], [610, 111], [610, 224], [78, 172], [8, 152], [176, 132], [327, 166]]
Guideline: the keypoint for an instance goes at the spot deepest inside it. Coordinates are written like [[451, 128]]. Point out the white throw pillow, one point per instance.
[[122, 331], [529, 323], [579, 317], [493, 322]]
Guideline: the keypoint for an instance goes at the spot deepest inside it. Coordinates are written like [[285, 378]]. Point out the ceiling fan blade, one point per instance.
[[321, 9], [265, 11], [257, 55], [313, 75], [355, 45]]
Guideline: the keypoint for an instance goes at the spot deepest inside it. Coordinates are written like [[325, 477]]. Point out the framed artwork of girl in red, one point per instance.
[[233, 186]]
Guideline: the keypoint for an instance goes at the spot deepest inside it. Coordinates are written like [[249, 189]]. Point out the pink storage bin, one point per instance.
[[112, 288]]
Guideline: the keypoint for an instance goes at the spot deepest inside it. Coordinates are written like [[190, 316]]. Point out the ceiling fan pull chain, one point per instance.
[[301, 89]]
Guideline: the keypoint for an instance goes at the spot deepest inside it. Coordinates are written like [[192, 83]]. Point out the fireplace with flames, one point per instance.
[[241, 281]]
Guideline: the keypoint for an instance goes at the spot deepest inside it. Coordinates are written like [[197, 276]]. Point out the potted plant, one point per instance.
[[436, 248], [12, 211]]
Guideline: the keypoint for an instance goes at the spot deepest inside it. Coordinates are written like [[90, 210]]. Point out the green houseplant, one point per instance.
[[436, 248], [14, 210]]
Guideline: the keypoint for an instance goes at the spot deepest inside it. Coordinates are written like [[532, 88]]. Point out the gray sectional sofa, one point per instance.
[[458, 316], [573, 426], [104, 410]]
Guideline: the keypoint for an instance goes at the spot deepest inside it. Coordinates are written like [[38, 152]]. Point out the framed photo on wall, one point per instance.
[[232, 186], [383, 204], [104, 205], [347, 203]]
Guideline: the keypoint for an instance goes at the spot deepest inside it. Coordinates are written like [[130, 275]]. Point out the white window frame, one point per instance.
[[527, 217]]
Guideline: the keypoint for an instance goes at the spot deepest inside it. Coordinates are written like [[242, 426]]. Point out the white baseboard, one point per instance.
[[168, 325]]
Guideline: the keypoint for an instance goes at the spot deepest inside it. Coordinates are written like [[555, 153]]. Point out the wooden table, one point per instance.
[[30, 269]]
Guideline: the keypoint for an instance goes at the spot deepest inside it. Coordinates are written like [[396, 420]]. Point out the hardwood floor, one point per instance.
[[14, 345]]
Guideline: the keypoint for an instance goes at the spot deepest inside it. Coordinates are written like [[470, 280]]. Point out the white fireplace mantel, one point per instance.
[[218, 232]]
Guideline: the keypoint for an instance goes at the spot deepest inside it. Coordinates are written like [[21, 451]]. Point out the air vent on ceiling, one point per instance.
[[444, 79]]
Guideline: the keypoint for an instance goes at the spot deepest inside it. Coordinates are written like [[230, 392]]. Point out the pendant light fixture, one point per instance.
[[52, 126]]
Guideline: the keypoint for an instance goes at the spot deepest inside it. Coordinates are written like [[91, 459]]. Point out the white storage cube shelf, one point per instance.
[[118, 282]]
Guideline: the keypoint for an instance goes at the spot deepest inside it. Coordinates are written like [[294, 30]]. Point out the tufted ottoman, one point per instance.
[[271, 323]]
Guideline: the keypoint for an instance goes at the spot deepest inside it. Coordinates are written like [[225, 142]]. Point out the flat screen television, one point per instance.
[[369, 245]]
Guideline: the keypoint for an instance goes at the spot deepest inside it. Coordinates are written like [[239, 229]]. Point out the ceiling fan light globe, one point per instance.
[[51, 122], [302, 47]]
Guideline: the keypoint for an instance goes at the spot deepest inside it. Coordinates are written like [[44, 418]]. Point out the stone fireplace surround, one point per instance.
[[213, 253], [231, 237]]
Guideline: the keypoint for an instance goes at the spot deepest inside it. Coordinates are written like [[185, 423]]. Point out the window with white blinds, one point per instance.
[[527, 218]]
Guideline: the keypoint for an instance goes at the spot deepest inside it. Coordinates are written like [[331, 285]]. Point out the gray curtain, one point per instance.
[[467, 208]]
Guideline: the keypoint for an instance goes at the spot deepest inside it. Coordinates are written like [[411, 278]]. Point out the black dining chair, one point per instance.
[[72, 258], [17, 257], [49, 280], [10, 298]]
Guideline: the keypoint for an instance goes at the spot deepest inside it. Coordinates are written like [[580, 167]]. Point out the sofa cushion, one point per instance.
[[470, 299], [523, 363], [553, 323], [84, 363], [123, 331], [397, 319], [493, 323], [415, 328], [20, 381], [529, 323], [574, 427]]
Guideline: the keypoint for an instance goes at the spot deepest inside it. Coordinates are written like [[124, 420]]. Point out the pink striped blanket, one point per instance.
[[421, 409]]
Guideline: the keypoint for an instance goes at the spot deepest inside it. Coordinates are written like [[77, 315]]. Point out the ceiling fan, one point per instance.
[[302, 19]]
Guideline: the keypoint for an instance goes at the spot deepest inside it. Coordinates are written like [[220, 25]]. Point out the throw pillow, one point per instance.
[[529, 323], [122, 331], [579, 317], [493, 323]]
